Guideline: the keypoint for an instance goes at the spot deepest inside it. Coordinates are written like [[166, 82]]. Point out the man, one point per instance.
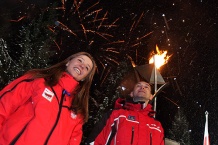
[[131, 122]]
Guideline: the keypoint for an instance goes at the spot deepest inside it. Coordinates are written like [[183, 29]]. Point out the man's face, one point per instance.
[[142, 89]]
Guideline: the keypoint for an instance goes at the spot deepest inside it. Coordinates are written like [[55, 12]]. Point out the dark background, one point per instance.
[[188, 32]]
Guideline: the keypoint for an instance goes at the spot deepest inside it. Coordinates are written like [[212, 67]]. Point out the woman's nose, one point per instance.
[[83, 66]]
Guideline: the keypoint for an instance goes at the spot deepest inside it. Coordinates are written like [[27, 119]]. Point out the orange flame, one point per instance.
[[160, 58]]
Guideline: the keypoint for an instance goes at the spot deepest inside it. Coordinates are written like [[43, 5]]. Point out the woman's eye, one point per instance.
[[80, 60]]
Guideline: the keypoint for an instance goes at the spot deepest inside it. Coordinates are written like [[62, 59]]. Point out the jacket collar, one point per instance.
[[68, 82], [123, 104]]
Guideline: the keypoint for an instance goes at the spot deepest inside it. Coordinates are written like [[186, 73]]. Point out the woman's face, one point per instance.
[[79, 67]]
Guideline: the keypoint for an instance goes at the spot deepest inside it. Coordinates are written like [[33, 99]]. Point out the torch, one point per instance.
[[158, 60]]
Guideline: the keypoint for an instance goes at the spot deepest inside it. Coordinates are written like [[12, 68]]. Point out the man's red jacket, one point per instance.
[[128, 124]]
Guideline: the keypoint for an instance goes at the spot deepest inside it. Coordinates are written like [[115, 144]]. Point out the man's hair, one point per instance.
[[129, 81]]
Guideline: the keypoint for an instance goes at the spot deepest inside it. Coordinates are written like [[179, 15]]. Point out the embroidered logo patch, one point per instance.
[[48, 95], [73, 115], [131, 118]]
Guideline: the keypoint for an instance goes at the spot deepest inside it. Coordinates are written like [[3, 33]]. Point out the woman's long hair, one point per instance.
[[53, 74]]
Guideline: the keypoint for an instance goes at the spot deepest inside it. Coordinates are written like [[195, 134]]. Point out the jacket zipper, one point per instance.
[[18, 135], [132, 135], [150, 138], [58, 116]]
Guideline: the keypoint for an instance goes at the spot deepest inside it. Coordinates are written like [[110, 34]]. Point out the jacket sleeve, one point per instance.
[[101, 133], [77, 133], [162, 142], [12, 96]]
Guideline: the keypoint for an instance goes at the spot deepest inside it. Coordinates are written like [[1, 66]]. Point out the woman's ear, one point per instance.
[[67, 63]]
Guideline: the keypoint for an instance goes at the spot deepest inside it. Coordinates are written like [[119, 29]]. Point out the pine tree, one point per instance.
[[180, 129], [111, 90], [33, 47], [5, 62]]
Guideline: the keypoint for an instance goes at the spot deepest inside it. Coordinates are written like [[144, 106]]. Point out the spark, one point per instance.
[[91, 42], [116, 42], [102, 20], [100, 34], [145, 36], [171, 101], [134, 45], [50, 28], [112, 24], [105, 76], [21, 18], [112, 50], [130, 58], [64, 27], [94, 101], [135, 24], [90, 7], [57, 45], [113, 60], [96, 12], [84, 30], [59, 8], [102, 73], [166, 22], [88, 25], [135, 30], [101, 63], [77, 6]]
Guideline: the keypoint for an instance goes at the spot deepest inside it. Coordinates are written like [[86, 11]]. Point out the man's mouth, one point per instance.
[[142, 91]]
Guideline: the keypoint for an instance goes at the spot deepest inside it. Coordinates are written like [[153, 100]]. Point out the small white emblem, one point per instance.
[[47, 94], [73, 115]]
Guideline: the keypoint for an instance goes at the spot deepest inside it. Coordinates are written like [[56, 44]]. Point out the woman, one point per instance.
[[48, 106]]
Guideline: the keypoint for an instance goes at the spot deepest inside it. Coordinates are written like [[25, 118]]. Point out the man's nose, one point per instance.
[[142, 87]]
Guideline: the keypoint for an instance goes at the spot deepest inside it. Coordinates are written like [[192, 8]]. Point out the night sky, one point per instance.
[[186, 29]]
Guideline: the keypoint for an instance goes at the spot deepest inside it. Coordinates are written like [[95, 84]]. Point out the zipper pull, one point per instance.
[[150, 138], [132, 135], [65, 92]]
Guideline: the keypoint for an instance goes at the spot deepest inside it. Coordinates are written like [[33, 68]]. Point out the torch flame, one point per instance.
[[160, 58]]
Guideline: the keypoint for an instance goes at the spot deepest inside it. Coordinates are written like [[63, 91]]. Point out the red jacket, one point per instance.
[[34, 114], [128, 124]]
